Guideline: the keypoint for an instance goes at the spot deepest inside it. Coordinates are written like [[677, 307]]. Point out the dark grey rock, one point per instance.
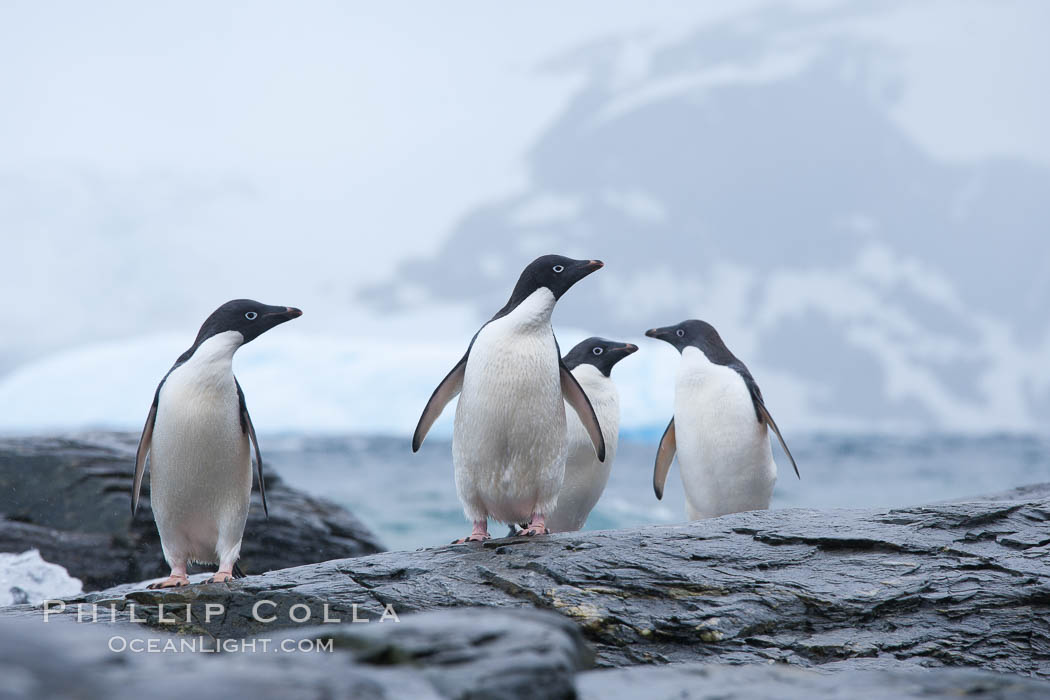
[[964, 584], [466, 653], [70, 498], [711, 682], [1031, 492], [97, 559], [472, 652], [453, 654], [886, 595]]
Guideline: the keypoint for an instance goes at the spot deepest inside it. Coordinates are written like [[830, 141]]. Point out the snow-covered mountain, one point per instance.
[[754, 175], [857, 194]]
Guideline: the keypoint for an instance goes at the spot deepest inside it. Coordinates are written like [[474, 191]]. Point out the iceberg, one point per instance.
[[294, 382], [27, 578]]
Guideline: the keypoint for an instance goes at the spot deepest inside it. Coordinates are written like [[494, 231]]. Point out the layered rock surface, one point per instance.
[[962, 584], [945, 599], [70, 498], [466, 653]]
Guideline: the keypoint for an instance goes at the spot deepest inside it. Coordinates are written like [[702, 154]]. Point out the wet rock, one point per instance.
[[451, 654], [70, 498], [1031, 492], [472, 653], [710, 682], [963, 584]]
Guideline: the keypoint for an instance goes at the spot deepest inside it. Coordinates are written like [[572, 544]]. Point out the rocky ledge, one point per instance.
[[955, 584], [467, 653], [945, 599], [70, 498]]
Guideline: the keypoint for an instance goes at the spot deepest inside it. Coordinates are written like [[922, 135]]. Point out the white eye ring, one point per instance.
[[680, 333], [559, 268], [597, 351], [251, 315]]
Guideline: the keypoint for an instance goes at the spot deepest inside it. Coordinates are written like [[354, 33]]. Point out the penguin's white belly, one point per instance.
[[508, 442], [585, 476], [723, 451], [200, 470]]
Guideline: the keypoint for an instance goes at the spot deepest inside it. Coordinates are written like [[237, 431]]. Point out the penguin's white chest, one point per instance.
[[723, 451], [509, 437], [585, 476], [200, 461]]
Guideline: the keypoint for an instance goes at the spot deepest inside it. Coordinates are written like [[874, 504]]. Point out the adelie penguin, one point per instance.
[[508, 441], [197, 436], [591, 363], [719, 429]]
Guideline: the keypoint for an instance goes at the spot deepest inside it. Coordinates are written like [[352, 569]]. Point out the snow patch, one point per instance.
[[766, 70], [27, 578]]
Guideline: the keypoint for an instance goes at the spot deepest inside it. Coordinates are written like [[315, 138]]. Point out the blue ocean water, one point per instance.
[[410, 501]]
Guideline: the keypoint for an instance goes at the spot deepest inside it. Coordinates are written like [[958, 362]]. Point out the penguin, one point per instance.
[[508, 440], [719, 428], [591, 363], [197, 436]]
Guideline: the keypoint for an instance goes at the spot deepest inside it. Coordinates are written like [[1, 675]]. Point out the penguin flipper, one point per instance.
[[574, 394], [762, 413], [447, 390], [246, 426], [145, 442], [664, 457], [767, 418]]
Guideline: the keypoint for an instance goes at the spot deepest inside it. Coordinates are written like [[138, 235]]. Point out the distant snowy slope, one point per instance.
[[856, 193], [292, 381], [755, 175]]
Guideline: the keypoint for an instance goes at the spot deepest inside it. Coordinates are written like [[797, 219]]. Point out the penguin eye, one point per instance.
[[597, 351], [251, 315], [559, 268], [680, 333]]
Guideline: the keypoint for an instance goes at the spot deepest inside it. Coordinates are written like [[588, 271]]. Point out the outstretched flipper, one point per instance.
[[145, 442], [246, 426], [447, 390], [664, 457], [574, 394], [768, 420]]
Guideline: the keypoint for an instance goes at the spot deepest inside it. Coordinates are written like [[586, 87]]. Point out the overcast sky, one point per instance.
[[156, 161]]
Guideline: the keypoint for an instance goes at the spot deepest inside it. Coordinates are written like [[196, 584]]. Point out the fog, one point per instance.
[[856, 194]]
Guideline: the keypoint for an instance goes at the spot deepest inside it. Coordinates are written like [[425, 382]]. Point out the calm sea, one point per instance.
[[410, 500]]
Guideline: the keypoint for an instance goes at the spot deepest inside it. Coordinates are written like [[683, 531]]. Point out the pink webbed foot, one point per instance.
[[536, 527], [533, 530], [479, 534], [221, 577], [173, 581]]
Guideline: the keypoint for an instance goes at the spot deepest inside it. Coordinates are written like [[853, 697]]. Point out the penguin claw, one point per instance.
[[170, 582], [533, 531], [471, 538], [221, 577]]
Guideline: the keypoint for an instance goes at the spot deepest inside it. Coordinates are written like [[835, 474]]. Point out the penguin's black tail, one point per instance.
[[238, 572]]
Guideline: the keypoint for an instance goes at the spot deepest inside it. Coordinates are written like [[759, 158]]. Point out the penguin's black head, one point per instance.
[[601, 353], [555, 272], [697, 334], [249, 318]]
